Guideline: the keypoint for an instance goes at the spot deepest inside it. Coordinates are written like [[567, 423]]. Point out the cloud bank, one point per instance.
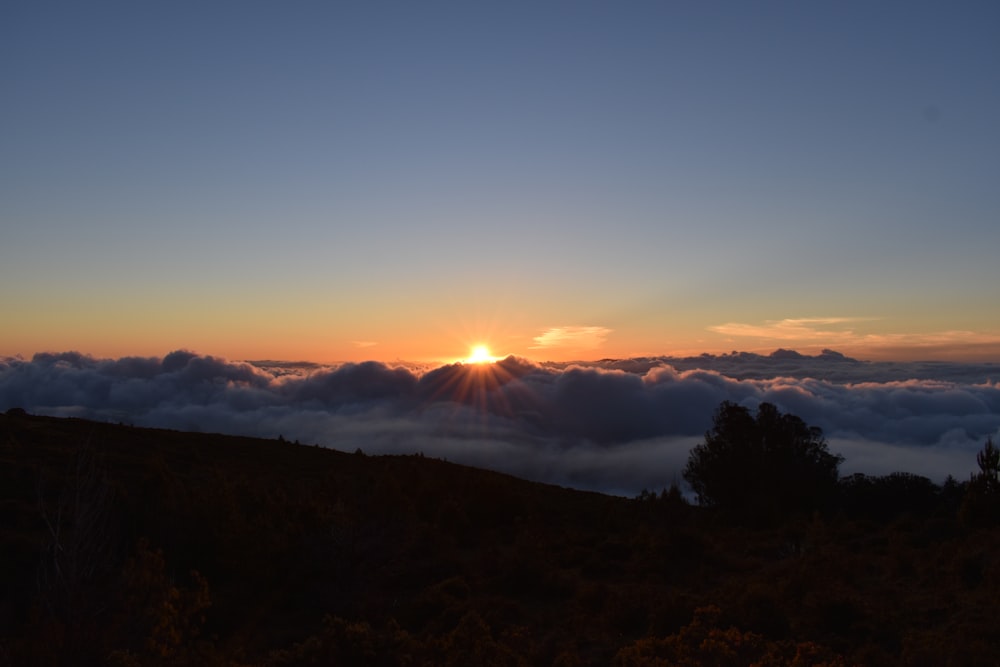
[[840, 331], [614, 425]]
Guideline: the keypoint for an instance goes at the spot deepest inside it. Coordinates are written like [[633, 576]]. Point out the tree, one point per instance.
[[769, 463], [989, 464], [981, 505], [887, 497]]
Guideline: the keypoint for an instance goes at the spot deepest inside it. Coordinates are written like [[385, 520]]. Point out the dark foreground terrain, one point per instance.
[[127, 546]]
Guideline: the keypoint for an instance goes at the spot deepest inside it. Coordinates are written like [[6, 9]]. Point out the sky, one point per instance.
[[341, 181]]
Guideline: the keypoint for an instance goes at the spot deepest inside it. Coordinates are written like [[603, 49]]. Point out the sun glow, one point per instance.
[[480, 354]]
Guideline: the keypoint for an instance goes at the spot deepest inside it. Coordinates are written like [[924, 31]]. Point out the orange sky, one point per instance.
[[291, 331]]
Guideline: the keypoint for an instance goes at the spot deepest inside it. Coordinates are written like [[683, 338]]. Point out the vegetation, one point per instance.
[[981, 505], [124, 546], [762, 466]]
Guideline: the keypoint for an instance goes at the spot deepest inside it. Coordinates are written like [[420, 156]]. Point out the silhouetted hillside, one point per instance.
[[126, 546]]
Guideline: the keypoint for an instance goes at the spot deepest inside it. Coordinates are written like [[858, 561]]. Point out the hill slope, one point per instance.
[[138, 546]]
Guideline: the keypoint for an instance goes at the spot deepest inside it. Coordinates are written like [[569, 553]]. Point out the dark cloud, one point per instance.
[[613, 425], [353, 386], [828, 365]]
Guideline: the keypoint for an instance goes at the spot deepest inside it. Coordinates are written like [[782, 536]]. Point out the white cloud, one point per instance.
[[574, 338], [800, 329]]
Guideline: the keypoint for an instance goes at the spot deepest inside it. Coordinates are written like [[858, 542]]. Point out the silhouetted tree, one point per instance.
[[769, 463], [887, 497], [981, 506], [989, 463]]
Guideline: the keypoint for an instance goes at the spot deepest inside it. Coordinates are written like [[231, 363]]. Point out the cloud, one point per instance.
[[613, 426], [800, 329], [575, 338], [364, 343], [838, 331]]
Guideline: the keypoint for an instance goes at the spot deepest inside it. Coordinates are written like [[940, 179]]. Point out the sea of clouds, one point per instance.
[[616, 426]]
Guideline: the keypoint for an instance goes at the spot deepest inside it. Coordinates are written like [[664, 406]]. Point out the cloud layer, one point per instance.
[[616, 425]]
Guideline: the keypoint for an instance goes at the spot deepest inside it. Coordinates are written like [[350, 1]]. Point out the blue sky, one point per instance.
[[345, 180]]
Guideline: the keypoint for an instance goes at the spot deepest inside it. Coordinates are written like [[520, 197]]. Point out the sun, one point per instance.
[[480, 354]]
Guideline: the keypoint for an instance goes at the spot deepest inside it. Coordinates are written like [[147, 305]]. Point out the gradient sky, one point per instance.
[[340, 181]]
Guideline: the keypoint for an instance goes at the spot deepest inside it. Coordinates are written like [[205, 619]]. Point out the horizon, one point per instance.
[[480, 352], [612, 425]]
